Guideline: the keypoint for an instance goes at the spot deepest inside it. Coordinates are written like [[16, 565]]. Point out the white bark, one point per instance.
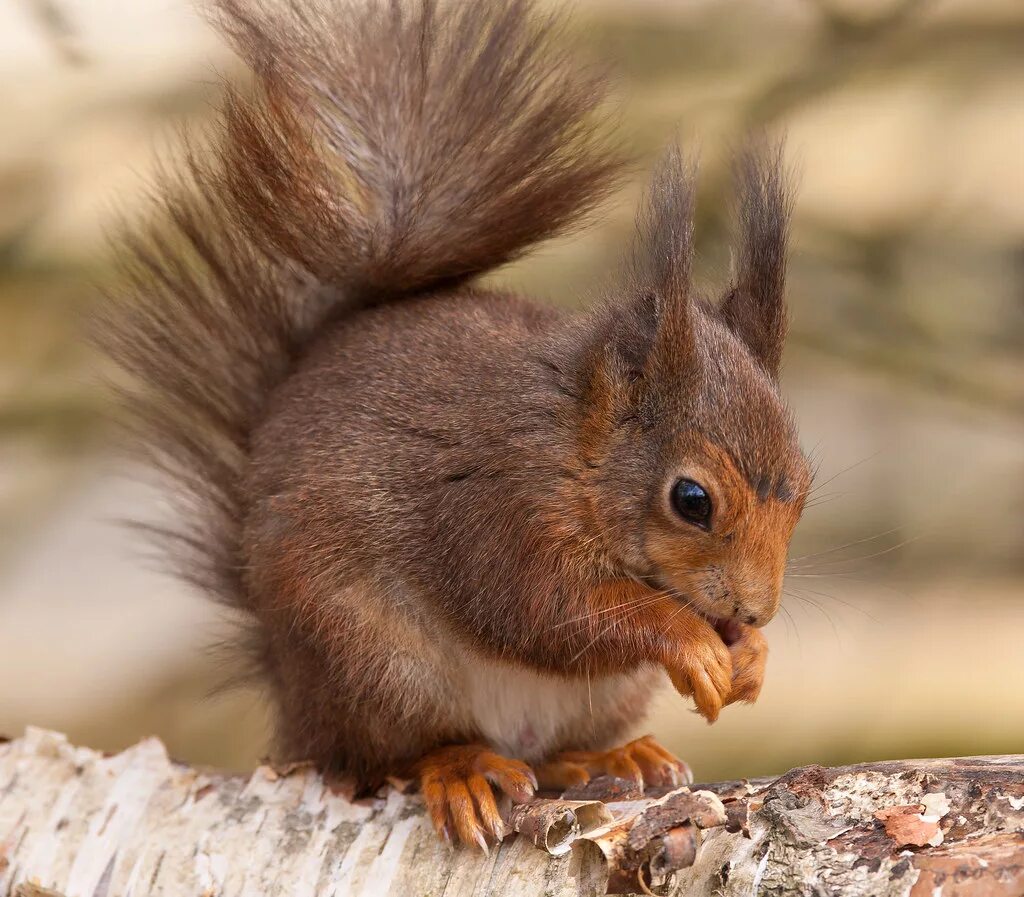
[[75, 823]]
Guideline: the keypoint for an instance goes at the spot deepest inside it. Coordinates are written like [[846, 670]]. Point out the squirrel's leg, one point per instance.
[[703, 675], [716, 663], [456, 783], [643, 760], [641, 624]]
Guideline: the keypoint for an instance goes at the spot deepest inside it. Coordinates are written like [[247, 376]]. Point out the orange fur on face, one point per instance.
[[734, 570]]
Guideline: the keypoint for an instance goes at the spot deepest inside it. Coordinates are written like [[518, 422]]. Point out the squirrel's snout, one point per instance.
[[764, 616], [725, 602], [742, 615], [729, 599], [758, 609], [758, 620], [756, 598]]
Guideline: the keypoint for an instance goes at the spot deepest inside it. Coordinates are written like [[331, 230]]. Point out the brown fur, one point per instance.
[[410, 483]]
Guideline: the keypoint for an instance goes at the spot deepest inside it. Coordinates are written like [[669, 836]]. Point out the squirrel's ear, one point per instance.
[[629, 334], [755, 306]]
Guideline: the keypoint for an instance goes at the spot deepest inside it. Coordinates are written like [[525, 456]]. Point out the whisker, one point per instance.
[[838, 574], [788, 619], [590, 701], [823, 612], [825, 499], [818, 554], [796, 630], [640, 602], [843, 602], [845, 470], [634, 607], [590, 644], [876, 554]]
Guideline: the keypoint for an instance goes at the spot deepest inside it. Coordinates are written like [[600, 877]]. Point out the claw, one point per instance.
[[456, 785], [643, 760], [482, 843], [558, 775]]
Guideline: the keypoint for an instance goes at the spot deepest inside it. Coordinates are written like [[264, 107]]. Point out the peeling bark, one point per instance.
[[76, 823]]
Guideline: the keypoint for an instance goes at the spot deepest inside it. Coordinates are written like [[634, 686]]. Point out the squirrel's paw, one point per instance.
[[749, 656], [644, 761], [702, 668], [456, 785]]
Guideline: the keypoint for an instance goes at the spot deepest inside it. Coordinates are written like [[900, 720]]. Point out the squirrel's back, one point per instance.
[[399, 428], [383, 150]]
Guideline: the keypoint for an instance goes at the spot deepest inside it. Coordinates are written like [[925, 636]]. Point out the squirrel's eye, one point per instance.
[[691, 502]]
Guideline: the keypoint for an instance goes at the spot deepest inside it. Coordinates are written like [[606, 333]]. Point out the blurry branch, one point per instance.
[[844, 42], [840, 20], [918, 369], [885, 330], [58, 29]]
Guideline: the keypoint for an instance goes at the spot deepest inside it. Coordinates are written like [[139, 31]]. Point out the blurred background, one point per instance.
[[903, 627]]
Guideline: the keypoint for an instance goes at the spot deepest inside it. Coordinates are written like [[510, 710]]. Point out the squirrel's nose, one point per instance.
[[759, 608], [762, 613]]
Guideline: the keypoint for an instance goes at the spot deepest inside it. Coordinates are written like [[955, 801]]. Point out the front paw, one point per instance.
[[749, 655], [702, 667]]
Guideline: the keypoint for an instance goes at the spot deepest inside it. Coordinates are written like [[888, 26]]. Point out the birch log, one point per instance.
[[76, 823]]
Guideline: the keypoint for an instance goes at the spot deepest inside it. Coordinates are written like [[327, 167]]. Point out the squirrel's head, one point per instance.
[[695, 472]]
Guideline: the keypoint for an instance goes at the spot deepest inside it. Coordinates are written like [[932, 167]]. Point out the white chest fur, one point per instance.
[[526, 715]]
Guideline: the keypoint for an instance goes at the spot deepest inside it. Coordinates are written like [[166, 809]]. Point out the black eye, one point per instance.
[[691, 502]]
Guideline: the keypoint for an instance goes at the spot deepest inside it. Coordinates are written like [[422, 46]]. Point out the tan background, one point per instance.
[[904, 632]]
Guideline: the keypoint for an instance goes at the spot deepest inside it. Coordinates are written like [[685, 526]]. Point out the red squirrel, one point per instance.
[[470, 533]]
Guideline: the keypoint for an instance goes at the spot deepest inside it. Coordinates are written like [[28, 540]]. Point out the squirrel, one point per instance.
[[469, 533]]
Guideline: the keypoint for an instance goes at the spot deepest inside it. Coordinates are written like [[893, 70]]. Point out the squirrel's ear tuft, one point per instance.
[[663, 249], [755, 306], [662, 259], [647, 327]]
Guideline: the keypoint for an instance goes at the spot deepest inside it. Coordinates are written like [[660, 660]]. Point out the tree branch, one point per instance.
[[76, 823]]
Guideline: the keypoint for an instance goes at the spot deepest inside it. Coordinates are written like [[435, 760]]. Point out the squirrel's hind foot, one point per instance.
[[456, 784], [643, 761]]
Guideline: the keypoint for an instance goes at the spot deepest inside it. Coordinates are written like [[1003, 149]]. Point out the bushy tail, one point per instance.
[[383, 149]]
